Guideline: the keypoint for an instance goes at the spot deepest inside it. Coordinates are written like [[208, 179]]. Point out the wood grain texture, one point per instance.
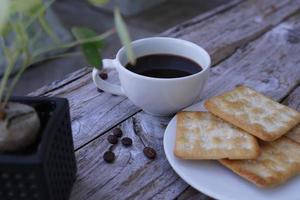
[[132, 176], [68, 16], [269, 64], [79, 73], [224, 32], [60, 83], [196, 20], [192, 194], [293, 99], [92, 112], [110, 110]]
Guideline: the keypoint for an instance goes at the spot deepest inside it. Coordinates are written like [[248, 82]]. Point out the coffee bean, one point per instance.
[[103, 75], [109, 156], [112, 139], [117, 132], [99, 90], [149, 153], [112, 147], [2, 115], [126, 141]]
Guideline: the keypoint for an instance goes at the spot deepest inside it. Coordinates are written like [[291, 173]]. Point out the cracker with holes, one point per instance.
[[254, 113], [279, 161], [201, 135], [294, 134]]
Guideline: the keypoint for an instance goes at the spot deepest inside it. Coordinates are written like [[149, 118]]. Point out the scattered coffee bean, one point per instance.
[[112, 147], [149, 153], [238, 85], [2, 115], [118, 132], [99, 90], [112, 139], [109, 156], [103, 75], [126, 141]]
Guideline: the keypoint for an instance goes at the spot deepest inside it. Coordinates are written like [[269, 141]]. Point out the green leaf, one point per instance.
[[4, 13], [91, 50], [26, 7], [6, 29], [98, 2], [124, 35]]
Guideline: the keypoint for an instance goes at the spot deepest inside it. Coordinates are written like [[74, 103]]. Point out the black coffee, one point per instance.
[[164, 66]]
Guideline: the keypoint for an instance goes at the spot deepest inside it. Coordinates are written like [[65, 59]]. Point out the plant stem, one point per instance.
[[75, 43], [44, 24], [64, 55], [43, 9], [11, 59], [22, 39], [7, 72], [13, 84], [15, 79]]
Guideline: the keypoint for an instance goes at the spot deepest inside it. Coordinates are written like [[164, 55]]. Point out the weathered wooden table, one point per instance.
[[258, 46]]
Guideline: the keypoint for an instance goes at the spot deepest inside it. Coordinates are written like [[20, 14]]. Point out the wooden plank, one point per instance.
[[198, 19], [223, 33], [293, 99], [192, 194], [79, 73], [200, 28], [60, 83], [132, 175], [269, 64], [93, 114]]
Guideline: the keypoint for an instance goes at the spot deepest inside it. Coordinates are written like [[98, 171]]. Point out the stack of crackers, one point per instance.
[[252, 135]]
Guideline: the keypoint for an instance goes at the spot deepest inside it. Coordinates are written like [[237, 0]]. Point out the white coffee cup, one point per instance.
[[158, 96]]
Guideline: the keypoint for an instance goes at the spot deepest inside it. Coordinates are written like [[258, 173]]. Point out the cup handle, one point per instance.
[[104, 85]]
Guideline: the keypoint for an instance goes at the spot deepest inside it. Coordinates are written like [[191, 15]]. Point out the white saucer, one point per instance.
[[214, 180]]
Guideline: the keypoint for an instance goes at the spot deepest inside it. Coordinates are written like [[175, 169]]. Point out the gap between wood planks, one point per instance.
[[108, 130], [220, 9], [247, 55], [276, 81], [293, 89], [174, 32], [246, 40], [85, 71], [61, 83], [242, 47]]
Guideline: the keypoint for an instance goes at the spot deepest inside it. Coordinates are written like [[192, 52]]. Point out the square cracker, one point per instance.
[[201, 135], [254, 112], [279, 160], [294, 134]]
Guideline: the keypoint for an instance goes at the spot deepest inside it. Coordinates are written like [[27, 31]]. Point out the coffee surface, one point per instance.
[[164, 66]]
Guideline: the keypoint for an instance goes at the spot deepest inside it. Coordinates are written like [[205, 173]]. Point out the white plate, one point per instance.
[[212, 179]]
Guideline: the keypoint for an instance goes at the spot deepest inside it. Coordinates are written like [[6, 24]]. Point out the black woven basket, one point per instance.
[[47, 169]]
